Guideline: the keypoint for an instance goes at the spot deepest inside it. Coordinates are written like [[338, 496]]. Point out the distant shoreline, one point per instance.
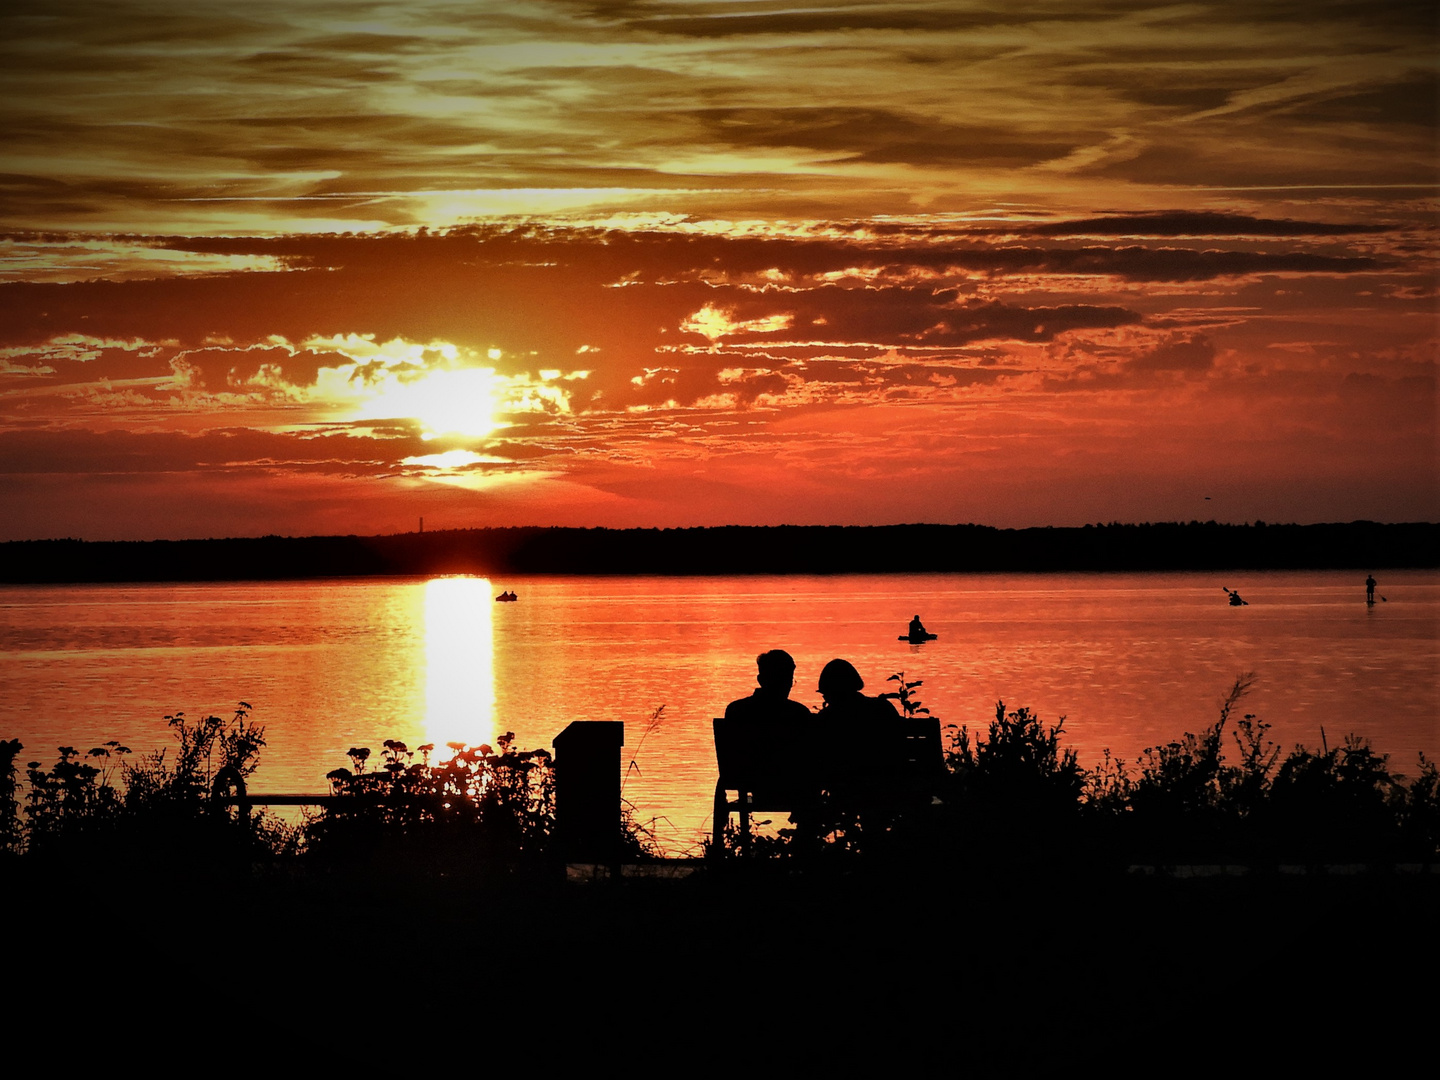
[[724, 550]]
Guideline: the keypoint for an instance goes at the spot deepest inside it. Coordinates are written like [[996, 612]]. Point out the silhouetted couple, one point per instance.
[[840, 685], [846, 748]]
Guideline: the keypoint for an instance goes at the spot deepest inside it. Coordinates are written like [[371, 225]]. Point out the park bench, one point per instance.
[[764, 771]]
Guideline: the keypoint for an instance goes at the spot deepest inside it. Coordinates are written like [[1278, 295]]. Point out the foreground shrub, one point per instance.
[[1185, 802], [1337, 805], [12, 832], [482, 805], [1018, 768], [165, 812], [1014, 796], [214, 758], [1010, 796], [1189, 803]]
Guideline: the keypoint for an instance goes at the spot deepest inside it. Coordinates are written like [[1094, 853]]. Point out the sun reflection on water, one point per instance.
[[459, 662]]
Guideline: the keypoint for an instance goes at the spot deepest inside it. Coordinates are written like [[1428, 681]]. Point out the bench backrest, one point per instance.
[[774, 763], [768, 761], [921, 743]]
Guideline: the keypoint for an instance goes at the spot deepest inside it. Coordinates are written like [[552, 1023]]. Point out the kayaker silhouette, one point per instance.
[[917, 632]]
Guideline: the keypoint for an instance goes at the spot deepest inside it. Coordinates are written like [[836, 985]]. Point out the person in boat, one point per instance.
[[917, 630], [1370, 584]]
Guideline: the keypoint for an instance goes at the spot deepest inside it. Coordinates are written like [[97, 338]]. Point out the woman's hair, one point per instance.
[[840, 677]]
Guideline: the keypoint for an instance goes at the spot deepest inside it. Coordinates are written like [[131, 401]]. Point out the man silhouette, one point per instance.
[[1370, 588], [772, 753], [770, 704]]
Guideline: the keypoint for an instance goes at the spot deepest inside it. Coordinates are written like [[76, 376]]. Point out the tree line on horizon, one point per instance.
[[735, 549]]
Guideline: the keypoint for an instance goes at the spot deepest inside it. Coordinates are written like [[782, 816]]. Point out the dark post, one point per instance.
[[587, 790]]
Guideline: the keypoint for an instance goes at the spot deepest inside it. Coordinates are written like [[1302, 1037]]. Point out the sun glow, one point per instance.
[[457, 401], [439, 385], [450, 459], [459, 661]]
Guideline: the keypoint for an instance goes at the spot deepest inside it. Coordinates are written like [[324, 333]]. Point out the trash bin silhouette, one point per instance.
[[587, 790]]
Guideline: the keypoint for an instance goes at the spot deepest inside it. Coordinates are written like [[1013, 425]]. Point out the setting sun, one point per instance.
[[446, 402]]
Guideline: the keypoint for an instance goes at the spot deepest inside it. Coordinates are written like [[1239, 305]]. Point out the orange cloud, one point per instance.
[[650, 263]]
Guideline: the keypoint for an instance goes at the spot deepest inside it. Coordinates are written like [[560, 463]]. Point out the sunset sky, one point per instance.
[[328, 267]]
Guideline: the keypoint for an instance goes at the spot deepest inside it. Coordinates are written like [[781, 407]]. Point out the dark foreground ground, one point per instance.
[[1012, 972]]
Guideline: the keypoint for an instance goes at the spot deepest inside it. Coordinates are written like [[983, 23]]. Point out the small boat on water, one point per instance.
[[506, 598]]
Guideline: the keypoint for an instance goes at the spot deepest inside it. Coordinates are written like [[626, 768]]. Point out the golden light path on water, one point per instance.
[[459, 662]]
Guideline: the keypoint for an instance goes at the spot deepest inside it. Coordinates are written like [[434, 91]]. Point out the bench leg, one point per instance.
[[720, 818]]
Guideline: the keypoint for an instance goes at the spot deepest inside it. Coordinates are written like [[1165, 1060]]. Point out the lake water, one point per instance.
[[1130, 660]]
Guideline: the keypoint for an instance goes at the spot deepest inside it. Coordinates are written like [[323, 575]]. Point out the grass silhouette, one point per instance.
[[1010, 795]]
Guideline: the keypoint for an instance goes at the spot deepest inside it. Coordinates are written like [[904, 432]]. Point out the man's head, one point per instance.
[[776, 672]]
